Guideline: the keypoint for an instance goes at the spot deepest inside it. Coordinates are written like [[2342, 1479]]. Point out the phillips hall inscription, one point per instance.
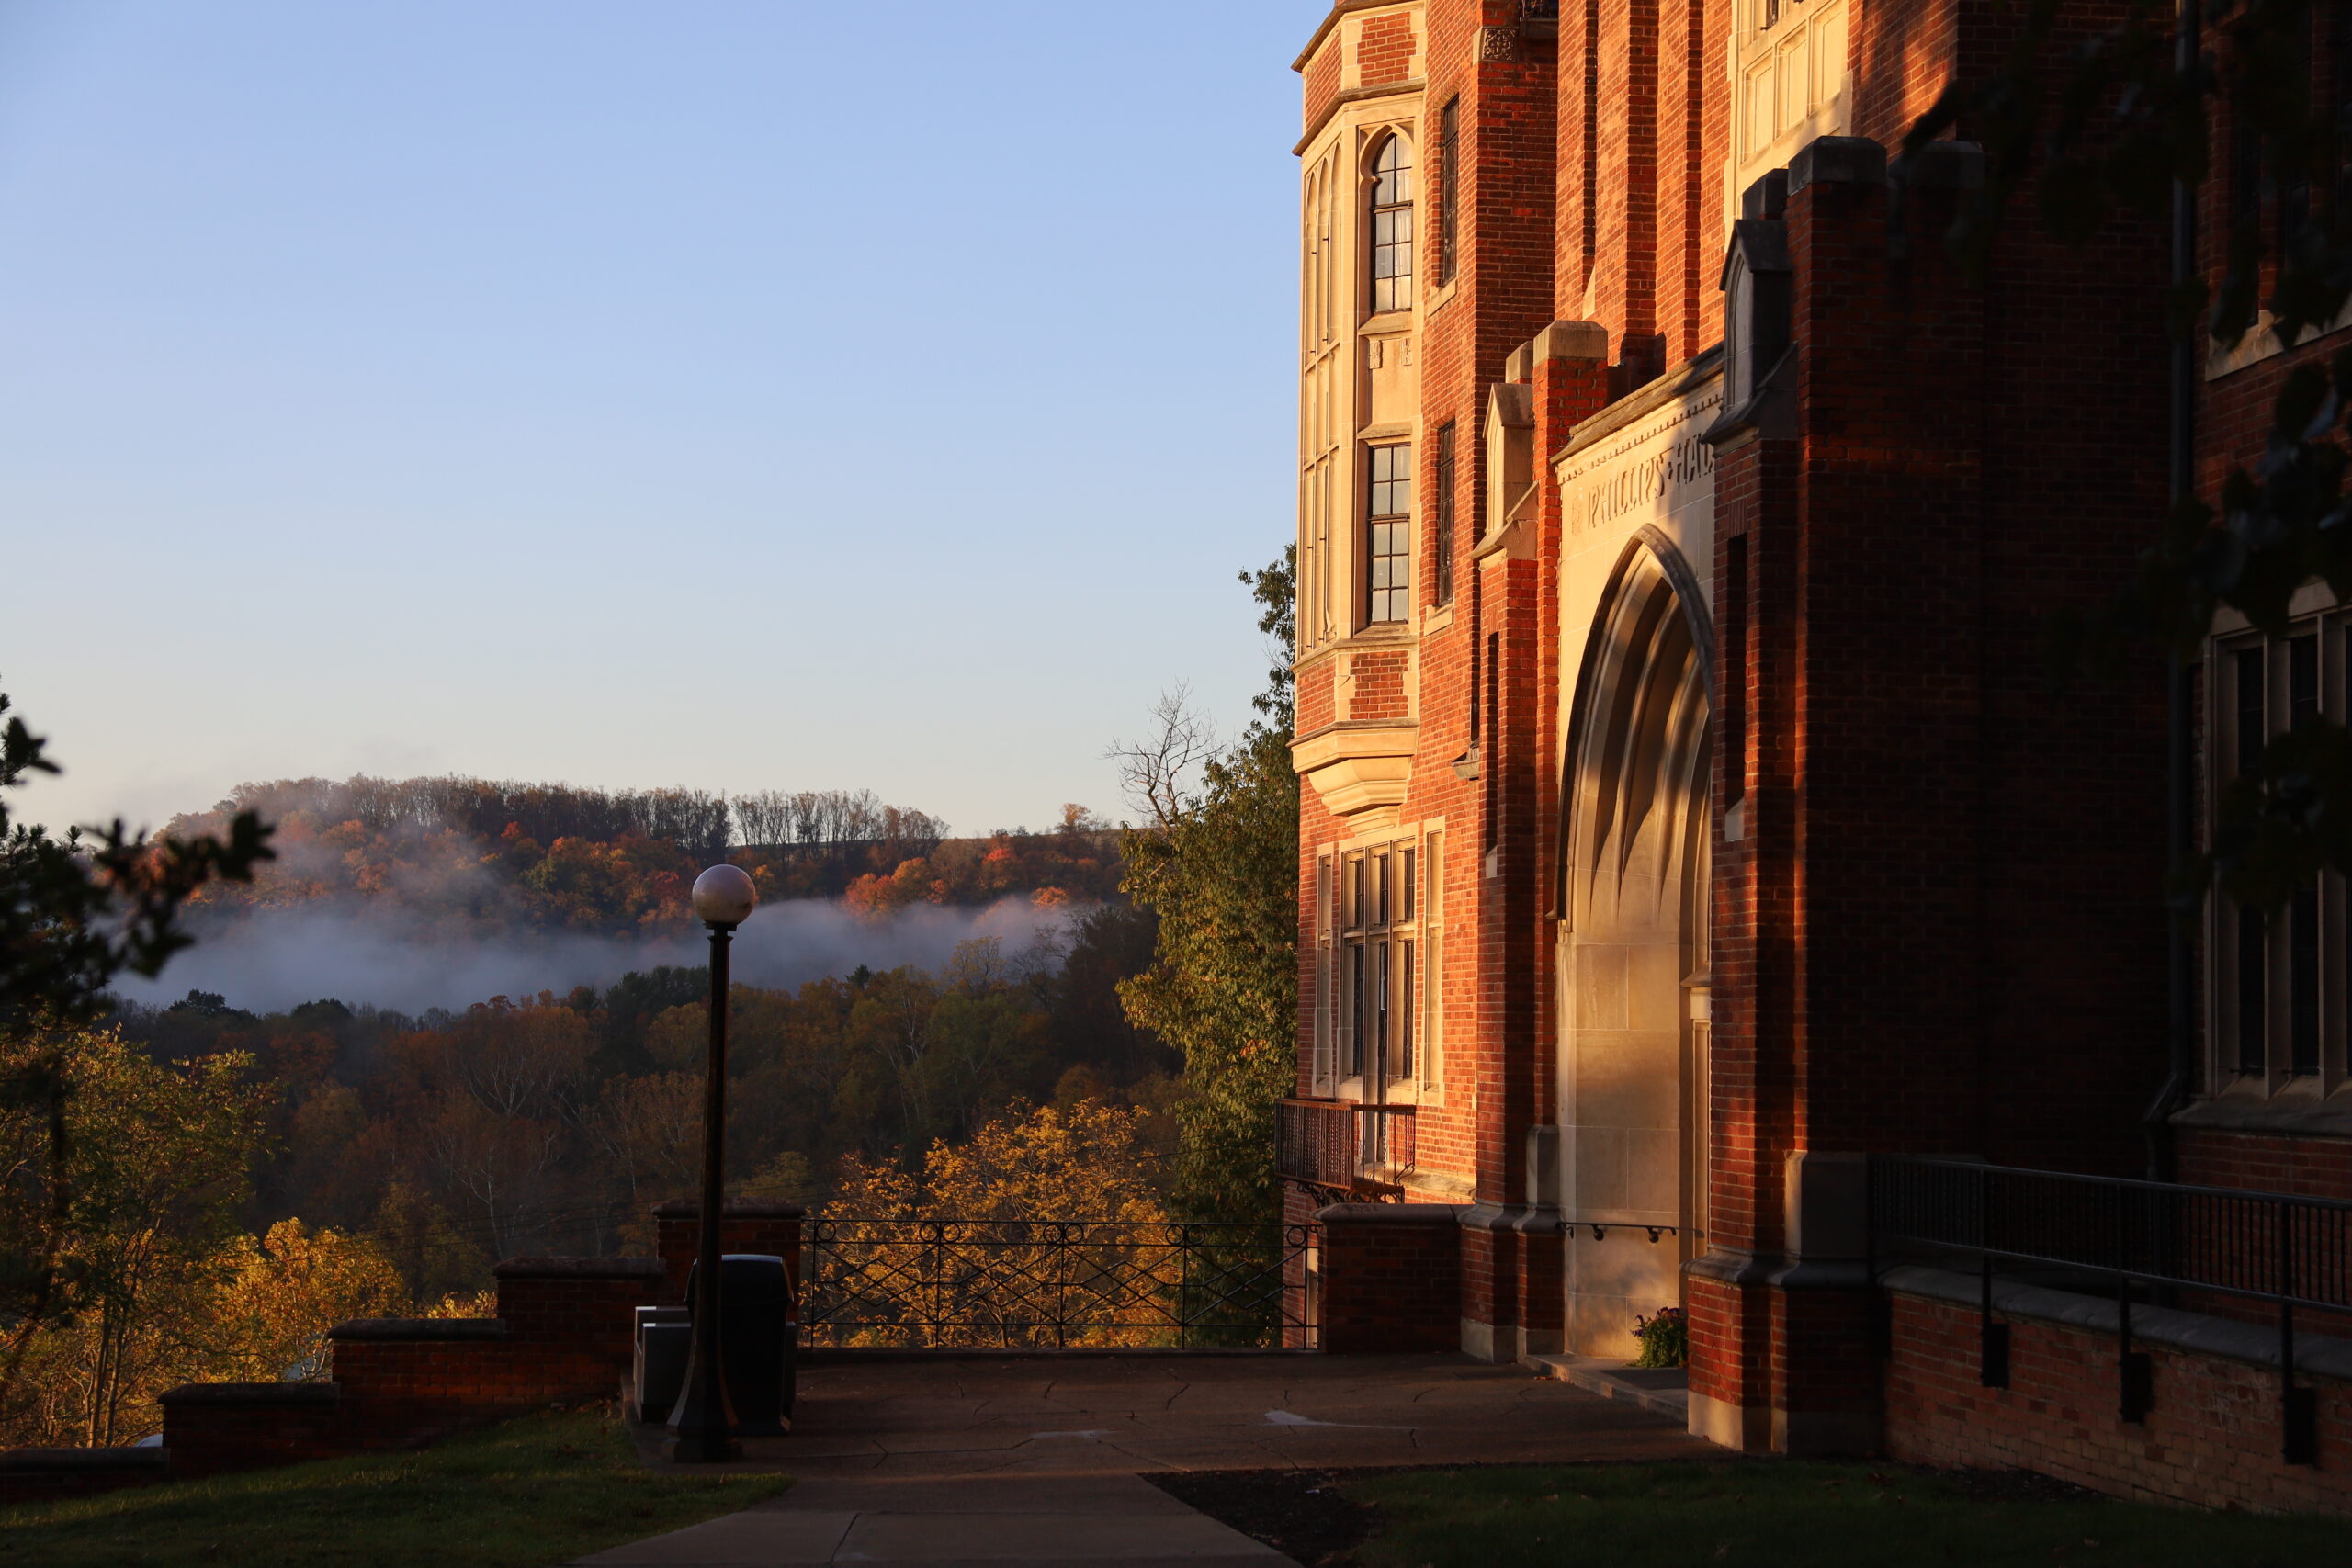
[[1651, 479]]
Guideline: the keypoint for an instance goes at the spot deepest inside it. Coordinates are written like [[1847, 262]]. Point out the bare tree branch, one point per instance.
[[1153, 772]]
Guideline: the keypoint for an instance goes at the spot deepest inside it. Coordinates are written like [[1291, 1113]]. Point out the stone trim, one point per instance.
[[580, 1268], [1410, 87], [2193, 1331], [383, 1329], [1390, 1213], [736, 1209], [82, 1461], [252, 1394]]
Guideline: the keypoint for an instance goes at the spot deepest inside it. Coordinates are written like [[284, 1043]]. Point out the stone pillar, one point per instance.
[[1391, 1276]]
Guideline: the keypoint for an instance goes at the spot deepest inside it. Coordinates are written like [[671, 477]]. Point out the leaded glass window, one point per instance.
[[1388, 530], [1392, 226]]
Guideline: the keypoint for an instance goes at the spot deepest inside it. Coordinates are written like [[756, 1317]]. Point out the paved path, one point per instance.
[[980, 1461]]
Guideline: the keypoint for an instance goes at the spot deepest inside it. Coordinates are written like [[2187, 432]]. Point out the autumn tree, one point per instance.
[[283, 1292], [1221, 872], [75, 913], [158, 1162]]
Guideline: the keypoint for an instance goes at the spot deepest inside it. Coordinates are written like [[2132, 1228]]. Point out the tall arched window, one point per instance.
[[1392, 226]]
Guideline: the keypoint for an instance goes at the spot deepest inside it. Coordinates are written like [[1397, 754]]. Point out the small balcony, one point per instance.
[[1344, 1149]]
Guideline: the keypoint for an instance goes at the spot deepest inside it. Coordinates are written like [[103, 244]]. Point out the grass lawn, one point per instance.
[[1767, 1513], [531, 1494]]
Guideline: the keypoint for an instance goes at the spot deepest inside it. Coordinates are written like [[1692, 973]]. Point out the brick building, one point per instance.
[[1687, 815]]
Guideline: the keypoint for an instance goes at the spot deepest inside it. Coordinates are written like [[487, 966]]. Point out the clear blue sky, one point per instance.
[[731, 394]]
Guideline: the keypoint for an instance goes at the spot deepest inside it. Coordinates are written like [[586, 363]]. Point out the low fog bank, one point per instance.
[[269, 960]]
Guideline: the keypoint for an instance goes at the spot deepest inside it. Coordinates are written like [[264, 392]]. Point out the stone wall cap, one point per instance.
[[736, 1209], [1944, 165], [1685, 380], [2292, 1117], [1391, 1213], [2193, 1331], [580, 1268], [1838, 159], [444, 1328], [80, 1462], [256, 1394]]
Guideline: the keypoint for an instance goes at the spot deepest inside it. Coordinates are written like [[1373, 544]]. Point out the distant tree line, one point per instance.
[[472, 853]]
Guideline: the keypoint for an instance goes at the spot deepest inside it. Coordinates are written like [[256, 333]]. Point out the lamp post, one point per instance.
[[702, 1424]]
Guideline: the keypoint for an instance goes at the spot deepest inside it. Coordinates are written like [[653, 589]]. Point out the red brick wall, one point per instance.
[[2212, 1438], [1391, 1276], [1315, 706], [210, 1428], [1385, 50], [53, 1475], [746, 1226], [1323, 81], [1377, 689], [2308, 1167]]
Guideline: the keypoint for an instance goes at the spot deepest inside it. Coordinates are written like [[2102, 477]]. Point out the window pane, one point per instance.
[[1388, 475], [1406, 1009], [2302, 982], [2254, 985], [1381, 1032], [1405, 882], [1441, 548], [1355, 1009], [2252, 731], [2302, 680]]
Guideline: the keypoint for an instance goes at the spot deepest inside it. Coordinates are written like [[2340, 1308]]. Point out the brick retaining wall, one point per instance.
[[562, 1336], [51, 1475], [2212, 1438]]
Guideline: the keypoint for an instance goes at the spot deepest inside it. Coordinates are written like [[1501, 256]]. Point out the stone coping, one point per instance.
[[2316, 1355], [426, 1328], [258, 1394], [580, 1268], [1391, 1213], [736, 1209], [874, 1355], [81, 1461]]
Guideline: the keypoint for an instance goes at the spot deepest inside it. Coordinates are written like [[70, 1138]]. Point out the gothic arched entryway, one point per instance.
[[1633, 897]]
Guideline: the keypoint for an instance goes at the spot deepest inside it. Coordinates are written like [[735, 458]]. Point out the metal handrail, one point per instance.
[[2276, 1247]]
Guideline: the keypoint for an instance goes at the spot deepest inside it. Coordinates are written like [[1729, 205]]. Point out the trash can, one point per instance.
[[659, 1369], [754, 1339]]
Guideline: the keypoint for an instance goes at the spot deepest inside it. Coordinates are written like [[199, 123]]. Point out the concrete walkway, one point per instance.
[[997, 1461]]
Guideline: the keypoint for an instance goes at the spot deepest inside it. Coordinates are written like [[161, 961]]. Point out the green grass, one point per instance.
[[529, 1494], [1767, 1514]]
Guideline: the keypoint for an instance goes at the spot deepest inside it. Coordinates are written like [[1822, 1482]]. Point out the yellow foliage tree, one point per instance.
[[284, 1292], [1045, 1228]]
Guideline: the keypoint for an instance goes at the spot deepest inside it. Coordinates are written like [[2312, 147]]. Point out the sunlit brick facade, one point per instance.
[[1685, 812]]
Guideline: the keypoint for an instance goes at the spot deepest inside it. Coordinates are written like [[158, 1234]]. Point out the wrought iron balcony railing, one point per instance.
[[1344, 1148]]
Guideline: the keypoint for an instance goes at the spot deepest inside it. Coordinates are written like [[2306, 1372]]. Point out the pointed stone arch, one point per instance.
[[1632, 892]]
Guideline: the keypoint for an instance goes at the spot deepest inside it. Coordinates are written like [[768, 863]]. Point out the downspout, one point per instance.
[[2180, 753]]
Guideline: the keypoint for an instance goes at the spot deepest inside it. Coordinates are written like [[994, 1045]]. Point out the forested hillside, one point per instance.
[[484, 856], [550, 1123]]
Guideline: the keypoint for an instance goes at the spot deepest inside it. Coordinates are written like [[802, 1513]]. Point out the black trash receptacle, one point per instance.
[[755, 1338]]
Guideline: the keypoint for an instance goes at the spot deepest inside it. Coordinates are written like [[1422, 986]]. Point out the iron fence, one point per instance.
[[2135, 1238], [1054, 1284]]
